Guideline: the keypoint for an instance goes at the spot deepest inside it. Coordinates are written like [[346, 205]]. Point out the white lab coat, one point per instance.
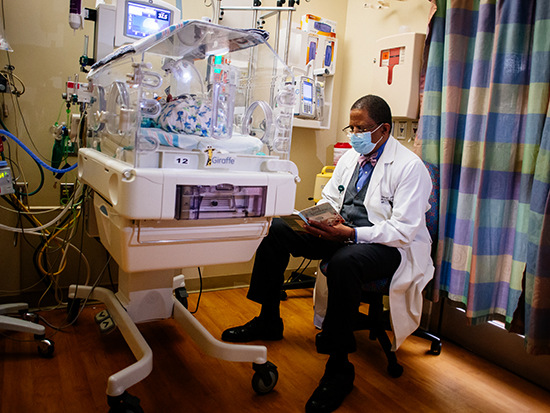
[[399, 178]]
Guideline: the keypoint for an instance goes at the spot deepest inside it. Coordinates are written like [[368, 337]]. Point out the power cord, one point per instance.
[[200, 292]]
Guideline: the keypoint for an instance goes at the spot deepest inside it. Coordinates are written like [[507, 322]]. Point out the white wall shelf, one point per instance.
[[315, 124]]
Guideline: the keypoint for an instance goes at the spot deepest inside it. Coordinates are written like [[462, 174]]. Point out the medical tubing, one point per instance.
[[40, 256], [46, 244], [8, 199], [86, 262], [81, 307], [39, 168], [39, 185], [247, 120], [3, 124], [52, 222], [32, 219], [36, 158]]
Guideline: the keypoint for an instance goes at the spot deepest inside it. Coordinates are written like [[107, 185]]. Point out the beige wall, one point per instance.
[[367, 25], [46, 53]]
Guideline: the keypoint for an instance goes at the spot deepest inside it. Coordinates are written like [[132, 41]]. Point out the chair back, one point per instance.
[[432, 216], [432, 220]]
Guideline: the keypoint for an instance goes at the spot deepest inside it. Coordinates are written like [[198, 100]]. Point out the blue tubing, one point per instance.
[[36, 158]]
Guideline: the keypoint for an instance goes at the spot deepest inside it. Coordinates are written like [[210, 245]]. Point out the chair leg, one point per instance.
[[436, 345], [374, 322], [394, 368], [435, 348]]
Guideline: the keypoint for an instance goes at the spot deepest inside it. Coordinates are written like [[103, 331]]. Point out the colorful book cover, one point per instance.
[[321, 213]]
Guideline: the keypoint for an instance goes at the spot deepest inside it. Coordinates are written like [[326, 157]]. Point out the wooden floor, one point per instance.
[[185, 380]]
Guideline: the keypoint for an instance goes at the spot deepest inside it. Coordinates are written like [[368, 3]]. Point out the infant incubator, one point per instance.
[[189, 135]]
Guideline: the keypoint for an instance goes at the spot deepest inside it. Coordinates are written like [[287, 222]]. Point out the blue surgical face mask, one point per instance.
[[362, 141]]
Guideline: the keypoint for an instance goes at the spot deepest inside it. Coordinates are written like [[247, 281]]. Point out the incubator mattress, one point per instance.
[[237, 144]]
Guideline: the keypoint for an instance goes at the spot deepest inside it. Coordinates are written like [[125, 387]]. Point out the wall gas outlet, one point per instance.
[[66, 191]]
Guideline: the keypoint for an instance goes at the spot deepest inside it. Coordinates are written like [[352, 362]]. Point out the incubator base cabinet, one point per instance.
[[187, 153]]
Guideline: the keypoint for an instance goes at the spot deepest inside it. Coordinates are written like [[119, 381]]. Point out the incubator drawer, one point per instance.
[[219, 201]]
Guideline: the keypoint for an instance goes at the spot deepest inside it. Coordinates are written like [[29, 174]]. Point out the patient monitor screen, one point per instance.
[[144, 19]]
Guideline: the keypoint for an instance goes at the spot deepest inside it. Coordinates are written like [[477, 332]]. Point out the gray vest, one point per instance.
[[353, 210]]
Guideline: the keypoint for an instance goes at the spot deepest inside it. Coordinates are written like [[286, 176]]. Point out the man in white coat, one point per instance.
[[381, 189]]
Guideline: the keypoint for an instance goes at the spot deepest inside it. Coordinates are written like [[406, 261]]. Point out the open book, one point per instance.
[[321, 213]]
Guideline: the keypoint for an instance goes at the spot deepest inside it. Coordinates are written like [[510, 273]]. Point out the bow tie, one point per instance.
[[363, 159]]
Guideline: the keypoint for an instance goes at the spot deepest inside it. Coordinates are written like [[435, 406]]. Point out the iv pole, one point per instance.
[[219, 10]]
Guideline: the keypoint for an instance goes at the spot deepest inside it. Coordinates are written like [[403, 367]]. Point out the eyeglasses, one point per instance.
[[349, 130]]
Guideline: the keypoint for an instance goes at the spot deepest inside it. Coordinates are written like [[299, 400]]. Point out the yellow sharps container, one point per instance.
[[321, 180]]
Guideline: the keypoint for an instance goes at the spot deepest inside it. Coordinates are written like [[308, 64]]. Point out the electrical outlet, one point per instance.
[[401, 130], [21, 191], [66, 191], [414, 129]]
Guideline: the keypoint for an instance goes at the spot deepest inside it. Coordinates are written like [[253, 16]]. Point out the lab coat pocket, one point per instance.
[[386, 197], [386, 200], [386, 203]]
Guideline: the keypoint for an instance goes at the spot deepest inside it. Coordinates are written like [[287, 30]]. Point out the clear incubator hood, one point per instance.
[[215, 92]]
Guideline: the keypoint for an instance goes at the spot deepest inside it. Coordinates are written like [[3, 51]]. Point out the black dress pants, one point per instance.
[[349, 267]]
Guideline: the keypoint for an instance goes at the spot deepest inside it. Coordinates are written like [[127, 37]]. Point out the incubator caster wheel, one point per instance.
[[46, 348], [395, 370], [284, 295], [125, 403], [435, 348], [32, 317], [265, 378]]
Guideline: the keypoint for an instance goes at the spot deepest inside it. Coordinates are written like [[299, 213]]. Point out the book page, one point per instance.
[[324, 213]]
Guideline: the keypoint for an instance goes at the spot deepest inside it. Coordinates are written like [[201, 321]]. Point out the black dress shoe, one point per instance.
[[333, 389], [255, 329]]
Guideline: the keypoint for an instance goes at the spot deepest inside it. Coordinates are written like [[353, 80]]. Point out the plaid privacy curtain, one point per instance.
[[485, 121]]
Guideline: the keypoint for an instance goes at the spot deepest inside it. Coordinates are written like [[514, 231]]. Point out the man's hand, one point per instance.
[[338, 232]]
